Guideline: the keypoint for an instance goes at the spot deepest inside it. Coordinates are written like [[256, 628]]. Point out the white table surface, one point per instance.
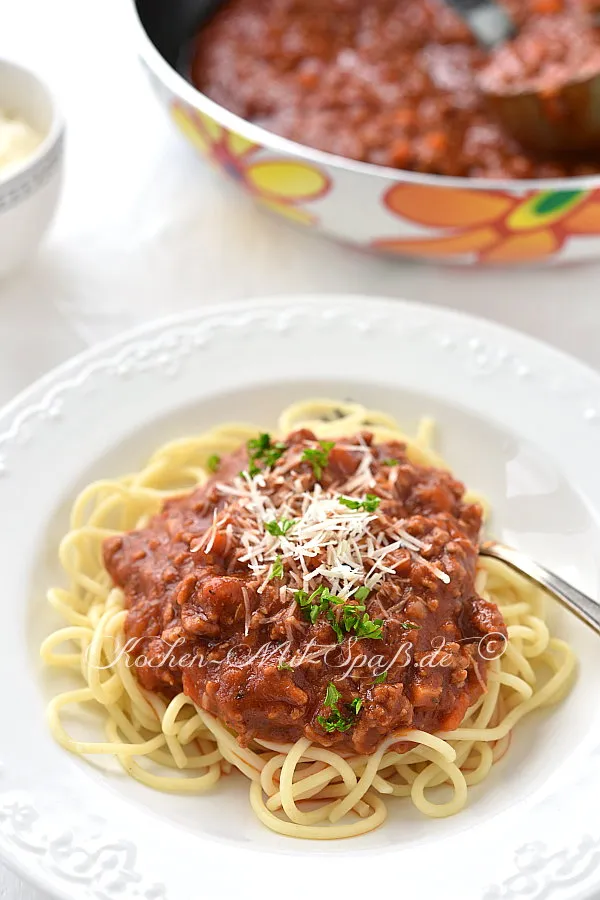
[[145, 229]]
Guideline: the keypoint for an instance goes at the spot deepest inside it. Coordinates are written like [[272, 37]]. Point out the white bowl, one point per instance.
[[29, 191]]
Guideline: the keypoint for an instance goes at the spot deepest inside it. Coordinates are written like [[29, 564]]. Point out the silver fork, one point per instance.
[[576, 601]]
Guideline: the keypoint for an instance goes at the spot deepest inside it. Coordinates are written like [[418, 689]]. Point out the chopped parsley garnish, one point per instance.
[[279, 529], [368, 628], [302, 599], [381, 678], [409, 626], [368, 504], [213, 462], [390, 462], [371, 502], [335, 721], [336, 628], [332, 695], [318, 457], [277, 568], [352, 615], [352, 620], [313, 614], [362, 593], [284, 667], [314, 604], [262, 450]]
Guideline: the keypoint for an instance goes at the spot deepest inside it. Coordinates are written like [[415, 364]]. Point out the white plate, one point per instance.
[[518, 420]]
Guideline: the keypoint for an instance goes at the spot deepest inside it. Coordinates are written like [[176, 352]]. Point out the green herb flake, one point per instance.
[[362, 593], [313, 604], [318, 457], [302, 599], [350, 503], [257, 446], [368, 504], [381, 678], [277, 568], [353, 618], [332, 695], [275, 453], [369, 629], [335, 721], [213, 462], [284, 667], [261, 449], [371, 502], [390, 462], [280, 529], [335, 625], [313, 615], [409, 626]]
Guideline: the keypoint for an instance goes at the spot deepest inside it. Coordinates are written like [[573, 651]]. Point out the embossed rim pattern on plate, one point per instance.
[[110, 852]]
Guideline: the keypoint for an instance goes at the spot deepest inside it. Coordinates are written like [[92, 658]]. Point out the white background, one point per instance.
[[145, 229]]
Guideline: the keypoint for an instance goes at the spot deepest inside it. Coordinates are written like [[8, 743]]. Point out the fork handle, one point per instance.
[[576, 601], [489, 22]]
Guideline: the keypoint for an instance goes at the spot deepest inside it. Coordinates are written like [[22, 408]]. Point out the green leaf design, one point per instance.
[[552, 201]]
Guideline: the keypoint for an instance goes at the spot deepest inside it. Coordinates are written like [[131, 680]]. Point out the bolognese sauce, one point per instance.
[[314, 589], [394, 82]]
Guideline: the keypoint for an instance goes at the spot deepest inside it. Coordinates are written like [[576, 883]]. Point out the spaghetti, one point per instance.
[[300, 789]]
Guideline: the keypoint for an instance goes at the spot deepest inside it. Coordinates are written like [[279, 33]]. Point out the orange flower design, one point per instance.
[[280, 184], [494, 226]]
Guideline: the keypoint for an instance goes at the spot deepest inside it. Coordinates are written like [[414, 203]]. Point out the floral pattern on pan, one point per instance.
[[494, 226], [278, 183], [469, 225]]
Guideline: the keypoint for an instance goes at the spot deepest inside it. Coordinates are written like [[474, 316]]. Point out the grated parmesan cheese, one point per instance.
[[350, 552]]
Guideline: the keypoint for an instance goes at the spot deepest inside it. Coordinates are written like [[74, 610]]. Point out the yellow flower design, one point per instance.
[[495, 226], [279, 184]]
